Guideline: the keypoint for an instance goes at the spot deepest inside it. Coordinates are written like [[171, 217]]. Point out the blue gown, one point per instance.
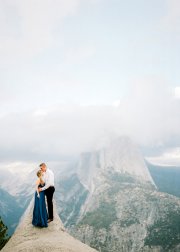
[[40, 216]]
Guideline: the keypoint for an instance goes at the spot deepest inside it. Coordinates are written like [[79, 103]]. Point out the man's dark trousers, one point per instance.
[[49, 195]]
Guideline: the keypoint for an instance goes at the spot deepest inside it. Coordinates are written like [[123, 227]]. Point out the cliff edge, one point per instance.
[[28, 238]]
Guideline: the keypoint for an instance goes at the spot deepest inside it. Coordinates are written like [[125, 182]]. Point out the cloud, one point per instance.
[[170, 157], [33, 58], [62, 130], [171, 21], [149, 115], [19, 168], [151, 112], [177, 92], [35, 124], [28, 27], [116, 103], [79, 55]]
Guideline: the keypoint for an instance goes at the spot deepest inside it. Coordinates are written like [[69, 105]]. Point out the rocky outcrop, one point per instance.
[[53, 238], [126, 216], [118, 206], [121, 155]]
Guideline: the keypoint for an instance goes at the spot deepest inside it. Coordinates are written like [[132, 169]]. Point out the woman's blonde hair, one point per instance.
[[39, 173]]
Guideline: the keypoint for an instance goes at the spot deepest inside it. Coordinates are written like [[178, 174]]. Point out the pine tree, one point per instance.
[[3, 234]]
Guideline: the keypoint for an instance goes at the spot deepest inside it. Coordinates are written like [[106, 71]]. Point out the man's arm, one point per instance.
[[49, 181], [44, 187]]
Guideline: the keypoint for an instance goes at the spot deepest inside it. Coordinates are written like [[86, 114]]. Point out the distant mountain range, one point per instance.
[[113, 200], [167, 178], [10, 211], [113, 204]]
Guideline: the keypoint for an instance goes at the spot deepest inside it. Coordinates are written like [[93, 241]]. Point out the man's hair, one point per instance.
[[42, 164]]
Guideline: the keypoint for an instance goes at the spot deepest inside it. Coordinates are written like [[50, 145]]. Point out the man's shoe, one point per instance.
[[49, 220]]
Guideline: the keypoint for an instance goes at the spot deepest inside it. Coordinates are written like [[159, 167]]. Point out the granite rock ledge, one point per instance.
[[28, 238]]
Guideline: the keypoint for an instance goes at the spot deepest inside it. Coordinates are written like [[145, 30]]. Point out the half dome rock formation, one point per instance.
[[53, 238], [120, 155]]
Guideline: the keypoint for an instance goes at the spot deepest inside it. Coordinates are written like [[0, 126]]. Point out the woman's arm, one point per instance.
[[37, 184]]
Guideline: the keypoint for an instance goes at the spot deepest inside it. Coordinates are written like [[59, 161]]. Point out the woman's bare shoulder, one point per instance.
[[38, 181]]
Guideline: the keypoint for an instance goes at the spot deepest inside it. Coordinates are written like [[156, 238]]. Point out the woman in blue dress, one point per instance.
[[40, 216]]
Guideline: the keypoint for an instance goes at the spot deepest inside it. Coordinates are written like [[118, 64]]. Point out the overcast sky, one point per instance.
[[74, 73]]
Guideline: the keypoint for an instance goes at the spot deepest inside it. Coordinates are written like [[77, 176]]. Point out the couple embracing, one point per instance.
[[44, 187]]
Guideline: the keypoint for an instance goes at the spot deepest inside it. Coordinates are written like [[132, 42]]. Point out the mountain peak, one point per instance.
[[53, 238], [121, 155]]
